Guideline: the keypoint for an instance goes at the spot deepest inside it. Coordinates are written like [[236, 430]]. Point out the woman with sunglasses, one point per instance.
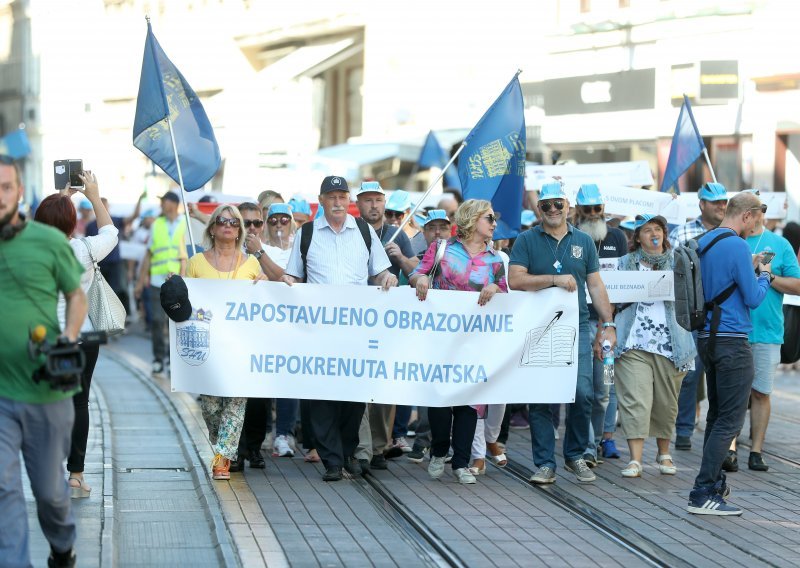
[[469, 264], [653, 354], [223, 259]]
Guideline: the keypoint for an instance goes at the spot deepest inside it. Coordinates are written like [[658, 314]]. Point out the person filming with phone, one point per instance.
[[36, 409]]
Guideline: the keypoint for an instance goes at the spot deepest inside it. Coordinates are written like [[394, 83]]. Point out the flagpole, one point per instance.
[[183, 191], [708, 162], [427, 192]]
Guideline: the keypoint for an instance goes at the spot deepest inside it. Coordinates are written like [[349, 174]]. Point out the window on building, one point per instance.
[[353, 102]]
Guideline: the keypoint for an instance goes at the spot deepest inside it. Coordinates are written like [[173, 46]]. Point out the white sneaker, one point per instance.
[[436, 467], [282, 448], [464, 476], [402, 444]]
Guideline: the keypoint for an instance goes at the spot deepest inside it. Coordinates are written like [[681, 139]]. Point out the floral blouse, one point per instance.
[[650, 332], [460, 271]]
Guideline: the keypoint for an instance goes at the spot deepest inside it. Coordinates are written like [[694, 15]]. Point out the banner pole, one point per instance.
[[427, 192], [183, 191], [708, 162]]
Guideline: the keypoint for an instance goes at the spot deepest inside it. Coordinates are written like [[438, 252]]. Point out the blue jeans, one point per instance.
[[42, 434], [402, 415], [285, 416], [610, 422], [687, 399], [729, 378], [600, 397], [579, 414]]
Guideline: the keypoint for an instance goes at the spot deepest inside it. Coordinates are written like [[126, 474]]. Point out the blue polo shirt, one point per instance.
[[538, 252], [768, 317]]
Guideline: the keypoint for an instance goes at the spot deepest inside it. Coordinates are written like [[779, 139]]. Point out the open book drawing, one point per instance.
[[549, 346]]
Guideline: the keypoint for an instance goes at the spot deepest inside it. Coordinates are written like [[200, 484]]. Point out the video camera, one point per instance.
[[64, 361]]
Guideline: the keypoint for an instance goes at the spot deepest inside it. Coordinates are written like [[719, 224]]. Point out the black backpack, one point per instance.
[[307, 232]]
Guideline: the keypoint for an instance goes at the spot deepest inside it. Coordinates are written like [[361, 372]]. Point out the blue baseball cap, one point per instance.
[[85, 204], [713, 192], [300, 205], [370, 187], [642, 220], [589, 194], [628, 225], [436, 215], [148, 213], [528, 217], [552, 191], [280, 209], [400, 200]]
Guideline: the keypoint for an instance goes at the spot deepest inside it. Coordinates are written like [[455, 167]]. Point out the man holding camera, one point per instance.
[[36, 263]]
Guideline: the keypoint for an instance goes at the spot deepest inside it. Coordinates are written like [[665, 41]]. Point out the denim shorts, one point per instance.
[[766, 357]]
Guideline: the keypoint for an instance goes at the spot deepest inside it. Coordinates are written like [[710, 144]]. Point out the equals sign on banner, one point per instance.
[[373, 343]]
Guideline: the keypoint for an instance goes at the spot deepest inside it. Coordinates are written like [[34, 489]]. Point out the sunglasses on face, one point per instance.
[[222, 221], [275, 220], [762, 208], [591, 209], [257, 223], [547, 205], [491, 218], [392, 214]]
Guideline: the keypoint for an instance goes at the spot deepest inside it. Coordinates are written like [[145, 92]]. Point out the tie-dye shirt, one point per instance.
[[459, 271]]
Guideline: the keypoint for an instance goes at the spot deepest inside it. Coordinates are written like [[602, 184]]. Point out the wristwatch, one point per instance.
[[258, 254], [769, 274]]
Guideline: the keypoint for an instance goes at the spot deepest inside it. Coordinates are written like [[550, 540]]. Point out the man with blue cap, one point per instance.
[[301, 210], [398, 206], [611, 244], [713, 204], [554, 253]]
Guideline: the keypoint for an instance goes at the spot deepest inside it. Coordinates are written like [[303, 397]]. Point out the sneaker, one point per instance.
[[449, 457], [464, 475], [731, 463], [402, 444], [756, 462], [598, 453], [544, 476], [352, 466], [158, 367], [580, 469], [332, 473], [701, 502], [282, 448], [590, 459], [61, 559], [365, 467], [722, 488], [518, 421], [416, 455], [436, 467], [379, 462], [610, 450], [220, 467], [683, 443], [393, 452]]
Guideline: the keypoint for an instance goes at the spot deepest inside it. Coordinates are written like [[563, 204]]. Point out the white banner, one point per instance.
[[624, 286], [573, 175], [791, 300], [362, 344]]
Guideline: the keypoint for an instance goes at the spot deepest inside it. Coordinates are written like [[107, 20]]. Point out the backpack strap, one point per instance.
[[715, 305], [363, 227], [306, 232], [715, 240]]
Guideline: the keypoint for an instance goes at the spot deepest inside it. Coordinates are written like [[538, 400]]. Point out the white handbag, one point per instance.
[[106, 312]]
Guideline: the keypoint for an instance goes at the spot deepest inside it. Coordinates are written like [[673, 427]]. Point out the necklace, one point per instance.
[[759, 240], [217, 263], [557, 264]]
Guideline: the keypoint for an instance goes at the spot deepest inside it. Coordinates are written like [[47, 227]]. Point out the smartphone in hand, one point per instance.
[[65, 171]]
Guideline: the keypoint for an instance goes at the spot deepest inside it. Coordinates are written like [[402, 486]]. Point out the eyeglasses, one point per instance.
[[591, 208], [491, 218], [7, 160], [762, 208], [274, 220], [548, 204], [257, 223], [392, 214], [222, 221]]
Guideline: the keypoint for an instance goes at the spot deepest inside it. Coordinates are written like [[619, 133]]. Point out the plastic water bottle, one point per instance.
[[608, 363]]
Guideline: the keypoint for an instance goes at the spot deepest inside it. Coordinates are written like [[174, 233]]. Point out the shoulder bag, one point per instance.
[[106, 312]]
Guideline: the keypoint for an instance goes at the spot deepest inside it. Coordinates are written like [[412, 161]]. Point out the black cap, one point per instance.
[[175, 299], [171, 196], [333, 183]]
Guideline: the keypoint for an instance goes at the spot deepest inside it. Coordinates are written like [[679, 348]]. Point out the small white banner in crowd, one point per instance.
[[791, 300], [363, 344], [624, 286]]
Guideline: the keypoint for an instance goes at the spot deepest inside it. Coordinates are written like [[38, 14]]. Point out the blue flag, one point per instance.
[[434, 156], [492, 165], [163, 92], [15, 144], [687, 146]]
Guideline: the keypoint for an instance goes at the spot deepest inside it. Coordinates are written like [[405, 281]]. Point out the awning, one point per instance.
[[346, 160], [308, 61]]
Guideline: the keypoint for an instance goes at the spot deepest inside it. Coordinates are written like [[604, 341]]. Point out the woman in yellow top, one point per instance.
[[223, 259]]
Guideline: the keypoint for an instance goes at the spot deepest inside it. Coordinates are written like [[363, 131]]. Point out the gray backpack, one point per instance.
[[690, 304]]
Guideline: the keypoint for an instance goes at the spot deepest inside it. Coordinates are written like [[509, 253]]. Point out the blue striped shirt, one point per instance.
[[338, 258]]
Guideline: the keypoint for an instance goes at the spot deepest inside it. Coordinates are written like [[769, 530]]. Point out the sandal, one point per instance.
[[666, 469], [79, 491], [634, 469], [475, 470], [500, 459]]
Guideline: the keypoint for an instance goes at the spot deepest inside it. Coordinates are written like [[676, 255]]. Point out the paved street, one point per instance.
[[153, 502]]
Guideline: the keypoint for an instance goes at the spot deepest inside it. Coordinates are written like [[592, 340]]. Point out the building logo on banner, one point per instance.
[[550, 345], [577, 251], [193, 337]]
